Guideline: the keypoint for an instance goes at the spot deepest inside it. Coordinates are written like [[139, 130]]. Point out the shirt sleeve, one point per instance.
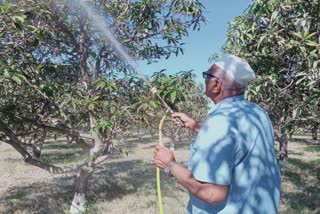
[[212, 154]]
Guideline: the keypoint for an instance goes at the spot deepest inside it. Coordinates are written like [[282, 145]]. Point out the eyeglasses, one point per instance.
[[207, 76]]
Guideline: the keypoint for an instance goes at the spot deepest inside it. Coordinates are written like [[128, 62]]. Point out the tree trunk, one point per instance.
[[283, 146], [314, 132], [79, 198], [38, 143], [315, 136]]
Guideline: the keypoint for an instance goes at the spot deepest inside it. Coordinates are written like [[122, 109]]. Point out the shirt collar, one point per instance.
[[225, 101]]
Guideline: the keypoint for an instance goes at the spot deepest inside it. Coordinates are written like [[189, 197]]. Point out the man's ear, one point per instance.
[[216, 89]]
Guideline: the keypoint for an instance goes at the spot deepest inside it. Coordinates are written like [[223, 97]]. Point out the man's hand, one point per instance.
[[188, 122], [209, 192], [163, 156]]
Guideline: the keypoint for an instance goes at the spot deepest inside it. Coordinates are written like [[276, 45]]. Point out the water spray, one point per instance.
[[99, 23]]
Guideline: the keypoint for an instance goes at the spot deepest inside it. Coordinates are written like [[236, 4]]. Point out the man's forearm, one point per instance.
[[205, 191]]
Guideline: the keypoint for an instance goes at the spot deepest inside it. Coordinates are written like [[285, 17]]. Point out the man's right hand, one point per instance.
[[188, 122]]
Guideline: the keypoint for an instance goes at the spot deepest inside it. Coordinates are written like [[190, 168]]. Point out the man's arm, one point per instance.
[[208, 192]]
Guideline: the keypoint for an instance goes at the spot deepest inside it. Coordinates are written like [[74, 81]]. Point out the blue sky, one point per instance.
[[201, 44]]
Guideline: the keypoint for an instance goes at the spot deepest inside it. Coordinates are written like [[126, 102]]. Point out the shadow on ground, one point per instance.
[[308, 196], [59, 145], [66, 157], [303, 140], [110, 181], [120, 177], [41, 197]]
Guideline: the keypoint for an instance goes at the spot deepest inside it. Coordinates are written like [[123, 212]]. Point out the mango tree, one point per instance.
[[281, 40], [59, 76], [182, 94]]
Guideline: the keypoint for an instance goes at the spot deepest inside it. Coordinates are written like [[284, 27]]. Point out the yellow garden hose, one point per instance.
[[158, 170]]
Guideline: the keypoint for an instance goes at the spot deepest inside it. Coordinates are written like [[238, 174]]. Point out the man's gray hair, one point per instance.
[[230, 84]]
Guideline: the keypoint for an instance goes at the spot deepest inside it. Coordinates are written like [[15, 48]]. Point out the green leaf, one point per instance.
[[38, 68], [274, 15], [91, 106], [16, 79], [300, 74], [313, 54], [311, 35], [112, 85], [261, 40], [73, 104], [297, 35], [154, 104], [173, 96], [300, 80], [95, 98], [18, 18], [21, 77], [311, 83], [79, 93], [100, 84], [316, 90], [6, 73], [312, 43]]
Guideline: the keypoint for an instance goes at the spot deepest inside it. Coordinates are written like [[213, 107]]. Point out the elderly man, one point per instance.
[[232, 166]]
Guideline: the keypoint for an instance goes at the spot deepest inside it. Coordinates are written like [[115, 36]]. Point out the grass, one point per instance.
[[127, 184], [61, 153], [300, 179], [313, 149], [43, 197]]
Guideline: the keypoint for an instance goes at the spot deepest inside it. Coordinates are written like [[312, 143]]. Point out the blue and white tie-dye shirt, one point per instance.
[[235, 147]]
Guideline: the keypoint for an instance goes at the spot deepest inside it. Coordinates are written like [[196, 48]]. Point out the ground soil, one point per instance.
[[127, 183]]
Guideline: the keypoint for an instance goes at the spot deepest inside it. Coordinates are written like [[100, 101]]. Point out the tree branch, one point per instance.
[[66, 131], [16, 144], [126, 10]]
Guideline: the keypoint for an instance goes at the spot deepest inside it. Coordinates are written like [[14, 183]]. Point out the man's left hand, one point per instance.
[[163, 156]]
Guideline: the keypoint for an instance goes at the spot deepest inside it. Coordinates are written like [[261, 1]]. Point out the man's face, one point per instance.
[[211, 81]]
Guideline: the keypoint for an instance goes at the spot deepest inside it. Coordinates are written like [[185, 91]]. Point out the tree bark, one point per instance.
[[314, 132], [38, 143], [283, 146], [79, 198]]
